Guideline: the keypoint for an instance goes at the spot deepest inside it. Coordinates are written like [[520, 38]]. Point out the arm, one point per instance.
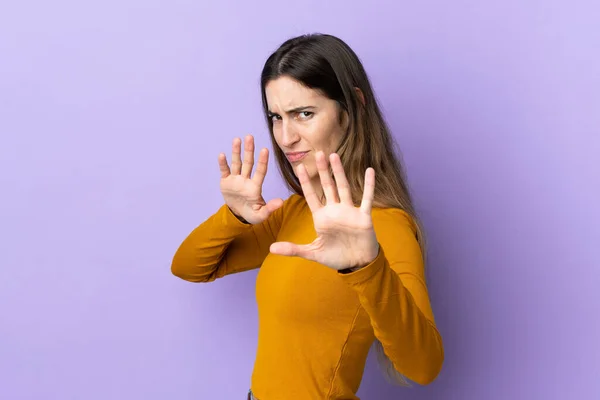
[[393, 292], [224, 245]]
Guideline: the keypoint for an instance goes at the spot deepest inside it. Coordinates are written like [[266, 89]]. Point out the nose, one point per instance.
[[289, 135]]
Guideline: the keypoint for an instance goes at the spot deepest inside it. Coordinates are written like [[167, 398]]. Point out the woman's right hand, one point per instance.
[[241, 192]]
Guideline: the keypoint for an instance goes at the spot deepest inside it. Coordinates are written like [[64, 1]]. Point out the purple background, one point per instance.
[[112, 115]]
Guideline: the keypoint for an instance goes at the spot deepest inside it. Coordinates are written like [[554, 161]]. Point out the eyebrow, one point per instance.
[[295, 110]]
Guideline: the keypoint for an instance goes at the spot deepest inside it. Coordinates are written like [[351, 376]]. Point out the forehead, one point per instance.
[[285, 92]]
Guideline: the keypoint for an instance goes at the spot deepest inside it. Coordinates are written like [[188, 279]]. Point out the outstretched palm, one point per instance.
[[242, 193], [345, 234]]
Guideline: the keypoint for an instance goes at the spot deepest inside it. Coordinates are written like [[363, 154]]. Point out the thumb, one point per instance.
[[292, 250], [274, 204]]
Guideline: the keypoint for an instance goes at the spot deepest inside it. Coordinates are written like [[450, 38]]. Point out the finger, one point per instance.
[[248, 157], [261, 167], [327, 184], [369, 191], [343, 187], [223, 167], [307, 188], [292, 250], [236, 161]]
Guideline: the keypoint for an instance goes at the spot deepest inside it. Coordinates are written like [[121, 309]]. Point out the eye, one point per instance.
[[274, 117], [305, 114]]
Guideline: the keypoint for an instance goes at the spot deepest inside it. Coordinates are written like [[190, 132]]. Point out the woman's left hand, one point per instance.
[[345, 234]]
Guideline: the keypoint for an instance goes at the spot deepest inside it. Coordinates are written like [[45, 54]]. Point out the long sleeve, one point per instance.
[[393, 292], [224, 245]]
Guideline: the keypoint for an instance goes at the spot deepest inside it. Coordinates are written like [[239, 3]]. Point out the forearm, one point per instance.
[[409, 337], [221, 245]]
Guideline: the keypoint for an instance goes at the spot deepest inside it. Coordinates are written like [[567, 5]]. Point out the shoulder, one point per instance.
[[295, 198], [294, 201], [397, 234], [394, 219], [292, 205]]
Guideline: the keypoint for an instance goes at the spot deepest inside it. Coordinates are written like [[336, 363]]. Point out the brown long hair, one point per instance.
[[326, 63]]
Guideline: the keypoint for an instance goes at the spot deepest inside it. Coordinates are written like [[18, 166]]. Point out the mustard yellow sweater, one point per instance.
[[316, 325]]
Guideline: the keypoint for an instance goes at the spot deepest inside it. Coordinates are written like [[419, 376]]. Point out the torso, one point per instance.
[[314, 336]]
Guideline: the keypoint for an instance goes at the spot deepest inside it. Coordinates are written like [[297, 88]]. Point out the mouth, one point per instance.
[[296, 156]]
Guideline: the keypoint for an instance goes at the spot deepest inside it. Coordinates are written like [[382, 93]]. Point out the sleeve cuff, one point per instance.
[[365, 273], [229, 218]]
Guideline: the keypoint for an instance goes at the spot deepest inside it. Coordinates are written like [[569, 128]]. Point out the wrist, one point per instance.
[[239, 217], [359, 267]]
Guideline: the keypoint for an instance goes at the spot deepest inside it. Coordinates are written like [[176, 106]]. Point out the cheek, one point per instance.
[[318, 135], [337, 133], [336, 139], [277, 135], [328, 137]]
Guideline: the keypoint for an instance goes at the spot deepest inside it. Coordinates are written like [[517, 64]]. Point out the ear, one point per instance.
[[361, 96]]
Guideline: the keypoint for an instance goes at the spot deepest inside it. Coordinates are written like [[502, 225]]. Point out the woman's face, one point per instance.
[[304, 121]]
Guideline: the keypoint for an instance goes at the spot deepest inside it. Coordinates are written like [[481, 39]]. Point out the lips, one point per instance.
[[296, 156]]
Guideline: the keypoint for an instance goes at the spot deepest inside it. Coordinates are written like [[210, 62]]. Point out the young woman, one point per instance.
[[341, 260]]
